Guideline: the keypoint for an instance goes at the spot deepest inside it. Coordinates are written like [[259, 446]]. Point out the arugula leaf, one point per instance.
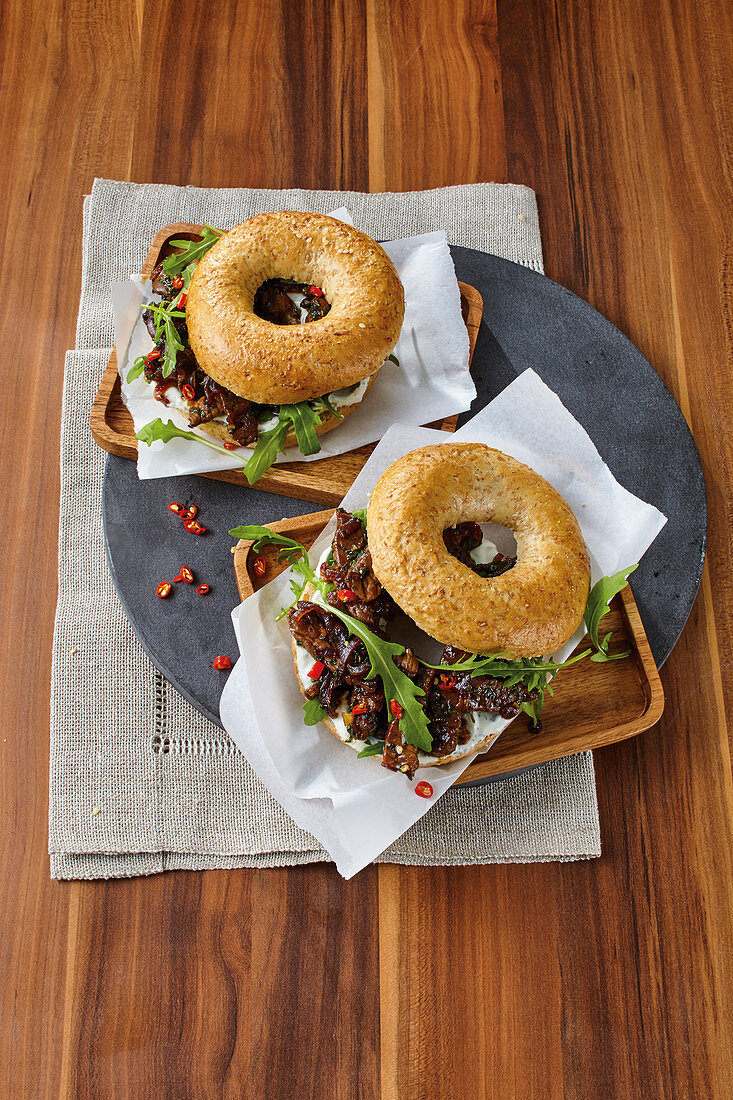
[[156, 430], [192, 251], [397, 685], [136, 369], [268, 445], [600, 597], [372, 748], [305, 420], [163, 315], [322, 404], [313, 712]]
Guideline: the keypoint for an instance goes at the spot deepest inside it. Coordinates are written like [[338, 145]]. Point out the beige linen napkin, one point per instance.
[[140, 781]]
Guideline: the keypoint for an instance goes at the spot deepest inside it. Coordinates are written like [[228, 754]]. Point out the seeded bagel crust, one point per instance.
[[530, 610], [220, 431], [282, 364]]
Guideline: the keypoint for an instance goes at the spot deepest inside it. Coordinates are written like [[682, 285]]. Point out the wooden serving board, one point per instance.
[[593, 705], [324, 481]]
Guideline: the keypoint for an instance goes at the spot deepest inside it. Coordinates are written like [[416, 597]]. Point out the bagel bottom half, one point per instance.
[[219, 431]]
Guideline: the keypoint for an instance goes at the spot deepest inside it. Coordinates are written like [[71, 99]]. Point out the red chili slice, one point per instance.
[[360, 708], [190, 512], [177, 507], [153, 355], [423, 789], [177, 579], [194, 526], [316, 671], [345, 595], [177, 283], [222, 662], [396, 709], [316, 291], [202, 589], [163, 589], [260, 566], [186, 574], [188, 391], [181, 303], [446, 682], [230, 446]]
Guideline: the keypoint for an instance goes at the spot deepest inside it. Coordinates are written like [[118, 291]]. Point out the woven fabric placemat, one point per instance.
[[140, 782]]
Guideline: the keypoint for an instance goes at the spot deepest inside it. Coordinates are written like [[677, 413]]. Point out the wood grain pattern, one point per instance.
[[609, 978], [594, 705], [325, 481]]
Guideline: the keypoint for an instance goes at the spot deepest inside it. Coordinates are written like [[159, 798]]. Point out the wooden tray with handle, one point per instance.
[[324, 481], [593, 705]]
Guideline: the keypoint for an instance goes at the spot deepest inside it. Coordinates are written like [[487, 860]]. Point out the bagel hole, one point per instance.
[[497, 546], [288, 302]]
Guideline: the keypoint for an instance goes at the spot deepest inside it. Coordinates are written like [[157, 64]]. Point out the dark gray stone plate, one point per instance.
[[529, 321]]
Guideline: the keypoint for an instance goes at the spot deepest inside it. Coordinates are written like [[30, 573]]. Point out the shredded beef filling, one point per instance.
[[465, 537], [449, 696], [207, 399]]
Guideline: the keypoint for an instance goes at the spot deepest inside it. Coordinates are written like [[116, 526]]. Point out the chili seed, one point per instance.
[[163, 589]]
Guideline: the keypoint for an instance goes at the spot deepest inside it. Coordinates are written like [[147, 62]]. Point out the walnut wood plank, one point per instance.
[[594, 705]]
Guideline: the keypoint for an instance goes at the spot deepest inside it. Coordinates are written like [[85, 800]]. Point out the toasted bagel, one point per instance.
[[282, 364], [530, 610]]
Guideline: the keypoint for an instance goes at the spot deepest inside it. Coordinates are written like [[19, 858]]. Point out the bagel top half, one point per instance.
[[282, 364], [528, 611]]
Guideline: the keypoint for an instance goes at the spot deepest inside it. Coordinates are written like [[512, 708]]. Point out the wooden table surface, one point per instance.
[[608, 978]]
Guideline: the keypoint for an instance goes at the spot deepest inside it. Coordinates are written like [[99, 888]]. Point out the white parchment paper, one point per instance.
[[431, 381], [354, 807]]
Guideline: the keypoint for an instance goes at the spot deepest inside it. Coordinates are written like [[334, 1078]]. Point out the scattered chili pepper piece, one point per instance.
[[181, 303], [153, 354], [396, 709], [316, 291], [424, 790], [222, 662], [189, 513], [177, 507], [163, 589], [259, 565], [177, 579], [230, 446], [446, 682], [316, 671], [360, 708], [177, 283], [202, 589], [188, 391], [186, 574], [345, 595], [194, 527]]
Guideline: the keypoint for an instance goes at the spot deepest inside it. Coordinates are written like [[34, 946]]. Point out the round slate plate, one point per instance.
[[529, 321]]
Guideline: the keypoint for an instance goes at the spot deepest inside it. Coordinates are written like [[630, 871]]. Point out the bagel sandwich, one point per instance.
[[398, 558], [269, 335]]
